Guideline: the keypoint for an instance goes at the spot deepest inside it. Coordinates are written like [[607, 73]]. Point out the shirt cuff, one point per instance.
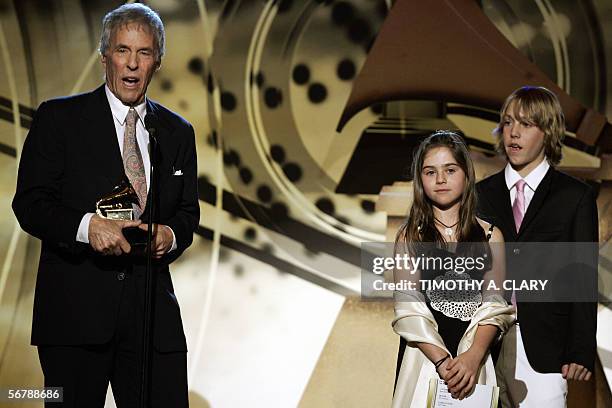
[[83, 231], [173, 240]]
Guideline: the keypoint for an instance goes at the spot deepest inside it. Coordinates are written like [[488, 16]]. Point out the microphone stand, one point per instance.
[[148, 307]]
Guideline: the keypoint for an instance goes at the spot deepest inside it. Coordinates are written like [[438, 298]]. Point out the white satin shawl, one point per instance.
[[415, 323]]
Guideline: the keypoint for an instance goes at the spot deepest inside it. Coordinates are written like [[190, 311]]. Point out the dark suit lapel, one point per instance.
[[103, 136], [536, 202], [499, 196]]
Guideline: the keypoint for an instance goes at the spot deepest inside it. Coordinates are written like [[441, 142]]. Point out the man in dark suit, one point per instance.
[[88, 307], [531, 201]]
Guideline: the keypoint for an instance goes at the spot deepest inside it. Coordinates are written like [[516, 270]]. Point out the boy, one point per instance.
[[531, 201]]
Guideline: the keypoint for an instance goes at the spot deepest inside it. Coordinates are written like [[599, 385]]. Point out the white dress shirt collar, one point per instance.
[[533, 179], [120, 110]]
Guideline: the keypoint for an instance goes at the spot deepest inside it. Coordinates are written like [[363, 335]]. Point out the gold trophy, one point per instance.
[[117, 205]]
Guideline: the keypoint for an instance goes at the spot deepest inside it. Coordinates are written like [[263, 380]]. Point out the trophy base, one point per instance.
[[125, 214]]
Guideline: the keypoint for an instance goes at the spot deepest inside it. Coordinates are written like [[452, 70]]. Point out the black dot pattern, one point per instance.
[[342, 13], [231, 158], [326, 205], [228, 101], [368, 206], [260, 79], [359, 31], [166, 85], [273, 97], [246, 175], [349, 20], [196, 66], [301, 74], [250, 234], [346, 70], [277, 152], [264, 193], [293, 172], [317, 92]]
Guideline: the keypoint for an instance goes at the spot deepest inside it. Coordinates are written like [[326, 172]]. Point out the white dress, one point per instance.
[[415, 323]]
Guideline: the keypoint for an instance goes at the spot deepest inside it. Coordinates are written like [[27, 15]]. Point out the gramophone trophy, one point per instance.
[[118, 205]]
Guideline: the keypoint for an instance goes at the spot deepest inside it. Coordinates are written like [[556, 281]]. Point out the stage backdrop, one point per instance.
[[269, 289]]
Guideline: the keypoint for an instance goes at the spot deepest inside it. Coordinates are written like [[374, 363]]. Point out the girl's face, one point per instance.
[[443, 179]]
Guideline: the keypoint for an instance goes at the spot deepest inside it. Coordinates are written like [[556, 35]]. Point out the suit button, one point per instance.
[[120, 276], [516, 251]]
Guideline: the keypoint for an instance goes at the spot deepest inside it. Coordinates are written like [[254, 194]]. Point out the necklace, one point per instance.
[[448, 230]]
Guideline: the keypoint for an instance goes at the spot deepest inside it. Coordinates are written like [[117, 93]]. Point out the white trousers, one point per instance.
[[522, 386]]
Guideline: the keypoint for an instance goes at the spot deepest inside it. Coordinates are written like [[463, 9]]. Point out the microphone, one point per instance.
[[151, 124]]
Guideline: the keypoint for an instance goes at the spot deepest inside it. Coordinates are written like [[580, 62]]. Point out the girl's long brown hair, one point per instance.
[[420, 224]]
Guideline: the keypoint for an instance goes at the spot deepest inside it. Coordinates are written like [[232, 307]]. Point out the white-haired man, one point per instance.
[[88, 308]]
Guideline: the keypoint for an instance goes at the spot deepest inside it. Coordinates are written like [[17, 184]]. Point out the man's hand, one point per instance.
[[462, 372], [162, 238], [106, 236], [575, 371]]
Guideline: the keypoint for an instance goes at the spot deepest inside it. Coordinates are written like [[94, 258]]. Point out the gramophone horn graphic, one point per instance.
[[447, 51]]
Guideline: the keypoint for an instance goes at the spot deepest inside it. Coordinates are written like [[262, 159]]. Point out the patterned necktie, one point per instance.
[[132, 161], [518, 210], [518, 207]]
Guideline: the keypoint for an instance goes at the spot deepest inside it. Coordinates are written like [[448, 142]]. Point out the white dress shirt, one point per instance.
[[532, 181], [120, 111]]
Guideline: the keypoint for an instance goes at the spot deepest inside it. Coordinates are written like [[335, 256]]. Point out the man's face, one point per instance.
[[523, 142], [130, 62]]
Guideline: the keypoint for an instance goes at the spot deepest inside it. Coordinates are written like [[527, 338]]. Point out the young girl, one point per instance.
[[447, 334]]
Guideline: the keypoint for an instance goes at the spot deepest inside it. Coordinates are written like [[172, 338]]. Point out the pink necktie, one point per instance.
[[518, 210], [518, 207], [132, 161]]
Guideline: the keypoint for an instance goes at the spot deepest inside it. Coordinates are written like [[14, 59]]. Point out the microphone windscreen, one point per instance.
[[151, 122]]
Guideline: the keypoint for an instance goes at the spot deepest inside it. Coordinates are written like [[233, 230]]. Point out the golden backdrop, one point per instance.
[[267, 290]]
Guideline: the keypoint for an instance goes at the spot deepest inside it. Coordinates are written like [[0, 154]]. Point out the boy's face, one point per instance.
[[523, 142]]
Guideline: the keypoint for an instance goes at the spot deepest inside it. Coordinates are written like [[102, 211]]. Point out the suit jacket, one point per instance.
[[563, 209], [70, 159]]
